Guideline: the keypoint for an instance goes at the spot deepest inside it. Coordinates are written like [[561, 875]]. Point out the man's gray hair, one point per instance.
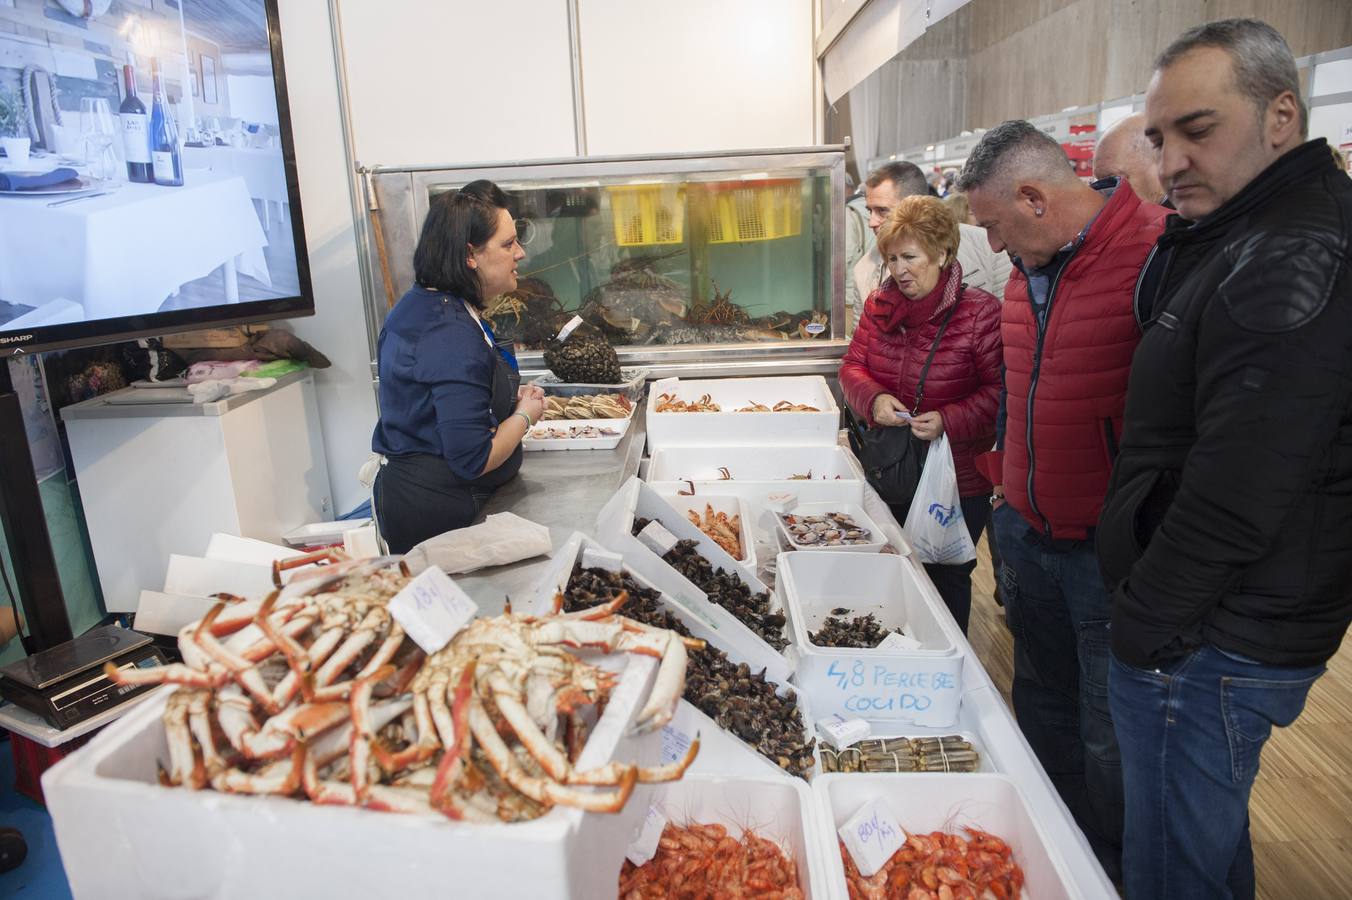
[[905, 175], [1014, 148], [1262, 61]]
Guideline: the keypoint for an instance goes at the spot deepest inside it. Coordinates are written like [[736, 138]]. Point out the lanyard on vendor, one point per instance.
[[503, 349]]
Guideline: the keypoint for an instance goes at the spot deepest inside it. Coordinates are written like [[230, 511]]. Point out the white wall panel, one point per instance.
[[696, 75], [347, 407], [437, 82]]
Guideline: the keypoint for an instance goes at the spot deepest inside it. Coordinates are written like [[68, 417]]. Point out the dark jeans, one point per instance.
[[1191, 736], [954, 583], [1058, 612]]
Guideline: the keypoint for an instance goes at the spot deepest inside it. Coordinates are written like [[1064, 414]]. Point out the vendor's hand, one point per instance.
[[885, 410], [532, 405], [928, 426]]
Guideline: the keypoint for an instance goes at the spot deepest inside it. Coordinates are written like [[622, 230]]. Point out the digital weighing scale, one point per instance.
[[66, 684]]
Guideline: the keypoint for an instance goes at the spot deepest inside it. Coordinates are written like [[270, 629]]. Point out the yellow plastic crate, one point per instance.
[[647, 214], [755, 210]]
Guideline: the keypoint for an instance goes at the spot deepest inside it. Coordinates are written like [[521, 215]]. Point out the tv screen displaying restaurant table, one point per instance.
[[148, 178]]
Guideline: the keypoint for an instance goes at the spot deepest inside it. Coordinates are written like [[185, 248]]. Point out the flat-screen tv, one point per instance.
[[148, 176]]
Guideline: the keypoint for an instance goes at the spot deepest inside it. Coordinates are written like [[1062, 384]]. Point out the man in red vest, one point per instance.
[[1069, 330]]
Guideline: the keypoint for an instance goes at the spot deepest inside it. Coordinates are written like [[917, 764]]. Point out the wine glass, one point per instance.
[[99, 132]]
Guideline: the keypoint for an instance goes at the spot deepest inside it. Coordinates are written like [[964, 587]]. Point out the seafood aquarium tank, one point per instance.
[[720, 264]]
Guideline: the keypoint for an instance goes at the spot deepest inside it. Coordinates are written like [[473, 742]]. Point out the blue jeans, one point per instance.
[[1191, 736], [1058, 612]]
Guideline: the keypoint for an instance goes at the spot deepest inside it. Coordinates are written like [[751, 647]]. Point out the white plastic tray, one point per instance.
[[757, 472], [925, 802], [781, 810], [924, 686], [621, 426], [123, 835], [821, 508], [728, 427], [614, 527], [631, 385]]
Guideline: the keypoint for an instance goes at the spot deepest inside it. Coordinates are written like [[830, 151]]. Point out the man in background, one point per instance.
[[1124, 152], [884, 188], [1226, 536], [1069, 329]]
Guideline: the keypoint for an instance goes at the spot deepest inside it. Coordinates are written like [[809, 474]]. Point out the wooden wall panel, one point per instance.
[[1000, 59]]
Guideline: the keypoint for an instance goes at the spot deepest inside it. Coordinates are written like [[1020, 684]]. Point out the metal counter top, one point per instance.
[[562, 490]]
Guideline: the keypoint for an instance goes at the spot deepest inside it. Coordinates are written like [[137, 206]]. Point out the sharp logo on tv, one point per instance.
[[150, 193]]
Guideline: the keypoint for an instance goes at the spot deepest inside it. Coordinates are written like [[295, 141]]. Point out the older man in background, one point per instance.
[[1226, 536], [1069, 329], [1124, 152], [884, 188]]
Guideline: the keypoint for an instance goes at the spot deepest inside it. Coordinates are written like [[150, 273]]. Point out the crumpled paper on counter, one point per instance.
[[500, 539]]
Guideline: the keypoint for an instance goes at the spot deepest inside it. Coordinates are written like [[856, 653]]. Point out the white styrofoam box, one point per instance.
[[855, 512], [758, 471], [198, 577], [925, 802], [721, 752], [923, 686], [121, 834], [729, 427], [732, 506], [233, 548], [160, 613], [781, 810], [614, 526]]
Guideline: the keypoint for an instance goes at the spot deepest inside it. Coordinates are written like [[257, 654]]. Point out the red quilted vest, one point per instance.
[[1056, 469]]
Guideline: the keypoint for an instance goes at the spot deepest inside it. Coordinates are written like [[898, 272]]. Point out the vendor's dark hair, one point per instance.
[[455, 221]]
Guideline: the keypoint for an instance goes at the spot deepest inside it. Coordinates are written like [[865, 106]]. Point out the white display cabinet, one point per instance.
[[158, 478]]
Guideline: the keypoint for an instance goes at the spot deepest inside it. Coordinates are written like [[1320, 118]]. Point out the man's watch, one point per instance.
[[996, 498]]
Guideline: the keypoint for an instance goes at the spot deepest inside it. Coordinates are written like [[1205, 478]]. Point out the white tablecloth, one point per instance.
[[124, 253], [262, 170]]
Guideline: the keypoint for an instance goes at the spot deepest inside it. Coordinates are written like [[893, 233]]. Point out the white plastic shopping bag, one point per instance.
[[934, 523]]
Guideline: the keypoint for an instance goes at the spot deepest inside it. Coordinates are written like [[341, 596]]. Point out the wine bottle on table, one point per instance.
[[135, 130], [166, 158]]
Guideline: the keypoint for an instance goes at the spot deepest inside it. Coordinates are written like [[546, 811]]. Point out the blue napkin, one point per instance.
[[16, 182]]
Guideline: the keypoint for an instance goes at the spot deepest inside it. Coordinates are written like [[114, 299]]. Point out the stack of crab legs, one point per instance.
[[317, 691]]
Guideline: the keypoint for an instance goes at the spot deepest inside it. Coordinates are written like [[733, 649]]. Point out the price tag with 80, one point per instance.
[[872, 835]]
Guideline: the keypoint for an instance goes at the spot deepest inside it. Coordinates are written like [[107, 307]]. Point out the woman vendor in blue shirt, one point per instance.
[[452, 414]]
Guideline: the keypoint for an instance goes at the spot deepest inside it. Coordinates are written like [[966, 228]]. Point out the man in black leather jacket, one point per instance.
[[1226, 536]]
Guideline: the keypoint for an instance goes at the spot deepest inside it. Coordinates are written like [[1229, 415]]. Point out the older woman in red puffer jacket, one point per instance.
[[881, 370]]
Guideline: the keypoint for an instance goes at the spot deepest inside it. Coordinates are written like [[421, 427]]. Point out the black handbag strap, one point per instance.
[[934, 348]]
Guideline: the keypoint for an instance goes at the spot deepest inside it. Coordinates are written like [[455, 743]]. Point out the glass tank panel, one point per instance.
[[714, 257]]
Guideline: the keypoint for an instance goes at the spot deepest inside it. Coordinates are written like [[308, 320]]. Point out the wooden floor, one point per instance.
[[1301, 810]]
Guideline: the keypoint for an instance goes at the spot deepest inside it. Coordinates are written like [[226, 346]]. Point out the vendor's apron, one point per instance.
[[417, 497]]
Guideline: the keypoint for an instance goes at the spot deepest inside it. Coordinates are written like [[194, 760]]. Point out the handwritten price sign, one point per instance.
[[888, 688], [872, 835], [432, 609]]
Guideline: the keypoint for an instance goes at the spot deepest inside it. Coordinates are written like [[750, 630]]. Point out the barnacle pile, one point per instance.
[[725, 589], [742, 702], [861, 632]]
